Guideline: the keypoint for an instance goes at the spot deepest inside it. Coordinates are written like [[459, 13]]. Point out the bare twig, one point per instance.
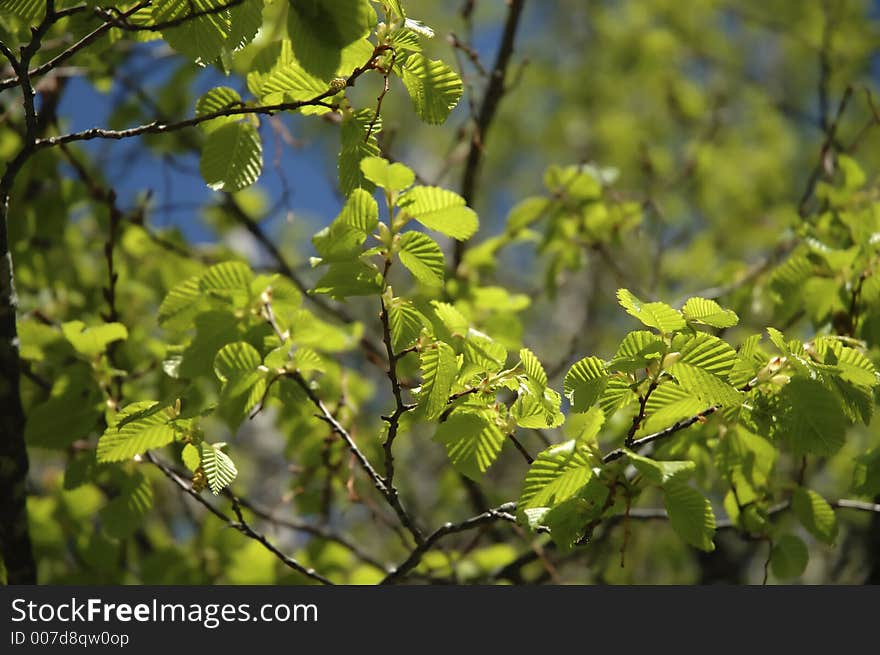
[[491, 99], [501, 513]]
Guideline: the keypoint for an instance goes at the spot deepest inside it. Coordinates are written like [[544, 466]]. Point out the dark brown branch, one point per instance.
[[501, 513], [119, 21], [84, 42], [242, 526], [491, 99], [315, 531], [522, 449], [327, 416], [160, 127], [638, 444], [245, 528], [825, 151], [15, 543]]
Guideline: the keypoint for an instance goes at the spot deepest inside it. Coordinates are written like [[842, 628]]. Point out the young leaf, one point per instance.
[[661, 472], [391, 177], [423, 257], [119, 443], [533, 367], [125, 513], [232, 158], [707, 352], [585, 382], [789, 557], [815, 514], [354, 146], [345, 279], [360, 211], [405, 322], [472, 441], [690, 515], [556, 475], [216, 100], [218, 467], [652, 314], [180, 305], [438, 367], [709, 388], [813, 421], [709, 312], [434, 87], [440, 210], [91, 342]]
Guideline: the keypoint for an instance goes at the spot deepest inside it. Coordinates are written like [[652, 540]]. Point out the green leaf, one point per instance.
[[29, 10], [423, 257], [451, 318], [360, 211], [218, 467], [533, 367], [191, 457], [125, 513], [71, 412], [709, 312], [234, 360], [355, 146], [237, 365], [391, 177], [181, 303], [637, 350], [690, 515], [350, 279], [93, 341], [277, 76], [118, 444], [433, 87], [473, 441], [585, 382], [526, 212], [866, 475], [670, 403], [789, 557], [438, 367], [203, 30], [482, 353], [815, 514], [569, 519], [339, 242], [652, 314], [537, 407], [812, 421], [226, 277], [440, 210], [661, 472], [232, 157], [556, 475], [617, 395], [405, 322], [707, 352], [320, 30], [709, 388], [218, 99]]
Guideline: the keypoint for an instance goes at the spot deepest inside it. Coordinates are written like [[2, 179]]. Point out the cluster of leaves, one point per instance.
[[693, 410]]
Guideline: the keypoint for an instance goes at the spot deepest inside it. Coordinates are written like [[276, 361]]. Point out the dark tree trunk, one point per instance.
[[15, 542]]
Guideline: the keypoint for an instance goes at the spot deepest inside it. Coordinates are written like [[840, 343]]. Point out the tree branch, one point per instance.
[[656, 436], [242, 525], [491, 99], [500, 513]]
